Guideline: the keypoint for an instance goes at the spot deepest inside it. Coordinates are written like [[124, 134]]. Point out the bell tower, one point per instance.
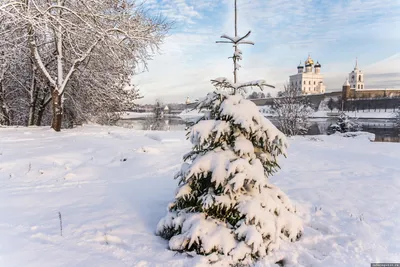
[[356, 78]]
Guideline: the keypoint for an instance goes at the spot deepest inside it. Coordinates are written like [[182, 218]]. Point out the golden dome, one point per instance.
[[309, 61]]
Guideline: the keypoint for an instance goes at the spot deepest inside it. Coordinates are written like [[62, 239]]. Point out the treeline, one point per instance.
[[67, 62]]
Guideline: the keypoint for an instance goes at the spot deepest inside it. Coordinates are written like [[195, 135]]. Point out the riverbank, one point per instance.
[[379, 114], [268, 112]]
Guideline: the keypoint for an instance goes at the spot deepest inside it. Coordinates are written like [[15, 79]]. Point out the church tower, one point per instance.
[[300, 68], [317, 68], [356, 78], [309, 64]]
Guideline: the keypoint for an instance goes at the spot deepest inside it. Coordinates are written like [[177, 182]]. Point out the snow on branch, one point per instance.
[[237, 39], [224, 83]]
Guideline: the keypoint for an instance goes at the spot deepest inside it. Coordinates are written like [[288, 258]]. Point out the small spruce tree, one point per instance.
[[225, 207], [343, 125]]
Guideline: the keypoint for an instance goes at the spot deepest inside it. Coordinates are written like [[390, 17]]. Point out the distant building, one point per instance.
[[354, 87], [356, 78], [308, 79]]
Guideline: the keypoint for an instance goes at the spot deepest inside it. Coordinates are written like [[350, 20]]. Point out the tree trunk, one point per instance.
[[42, 101], [32, 104], [57, 111], [40, 115], [4, 116]]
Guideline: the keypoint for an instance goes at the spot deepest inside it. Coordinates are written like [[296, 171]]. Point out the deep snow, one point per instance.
[[112, 185]]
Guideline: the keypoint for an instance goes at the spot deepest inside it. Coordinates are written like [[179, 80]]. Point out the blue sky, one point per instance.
[[334, 32]]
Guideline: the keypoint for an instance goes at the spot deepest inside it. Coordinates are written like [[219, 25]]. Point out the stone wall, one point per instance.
[[374, 93]]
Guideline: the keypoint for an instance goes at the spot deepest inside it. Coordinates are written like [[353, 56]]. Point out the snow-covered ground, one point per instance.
[[112, 185]]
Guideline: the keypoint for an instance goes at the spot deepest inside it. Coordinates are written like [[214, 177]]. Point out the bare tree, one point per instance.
[[292, 111], [82, 34]]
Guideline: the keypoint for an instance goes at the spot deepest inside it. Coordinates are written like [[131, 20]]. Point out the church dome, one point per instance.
[[309, 61], [317, 65], [300, 66]]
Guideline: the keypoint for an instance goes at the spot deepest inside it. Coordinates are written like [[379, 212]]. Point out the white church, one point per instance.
[[308, 79]]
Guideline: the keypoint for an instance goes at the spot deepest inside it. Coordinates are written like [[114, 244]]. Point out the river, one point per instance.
[[383, 129]]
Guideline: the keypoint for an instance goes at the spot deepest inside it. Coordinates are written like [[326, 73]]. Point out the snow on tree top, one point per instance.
[[246, 114]]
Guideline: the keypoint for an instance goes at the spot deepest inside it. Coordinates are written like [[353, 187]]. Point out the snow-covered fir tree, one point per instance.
[[344, 124], [225, 206]]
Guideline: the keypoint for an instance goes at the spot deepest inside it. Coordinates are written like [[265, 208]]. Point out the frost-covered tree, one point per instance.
[[130, 95], [73, 42], [344, 124], [292, 112], [225, 206]]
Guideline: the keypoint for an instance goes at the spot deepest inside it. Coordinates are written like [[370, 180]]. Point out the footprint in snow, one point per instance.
[[150, 150]]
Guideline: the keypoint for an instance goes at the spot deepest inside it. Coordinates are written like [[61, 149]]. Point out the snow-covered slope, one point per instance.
[[111, 186]]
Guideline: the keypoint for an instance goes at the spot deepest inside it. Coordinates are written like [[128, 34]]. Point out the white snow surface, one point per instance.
[[111, 186]]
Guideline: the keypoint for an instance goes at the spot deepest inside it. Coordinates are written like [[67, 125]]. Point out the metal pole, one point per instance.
[[234, 57]]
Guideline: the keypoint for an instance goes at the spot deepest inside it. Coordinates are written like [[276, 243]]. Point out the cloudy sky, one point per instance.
[[334, 32]]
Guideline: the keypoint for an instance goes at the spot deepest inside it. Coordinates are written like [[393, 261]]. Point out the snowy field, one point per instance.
[[112, 185]]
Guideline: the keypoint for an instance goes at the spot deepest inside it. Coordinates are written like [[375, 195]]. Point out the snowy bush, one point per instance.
[[344, 124], [72, 60], [225, 206]]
